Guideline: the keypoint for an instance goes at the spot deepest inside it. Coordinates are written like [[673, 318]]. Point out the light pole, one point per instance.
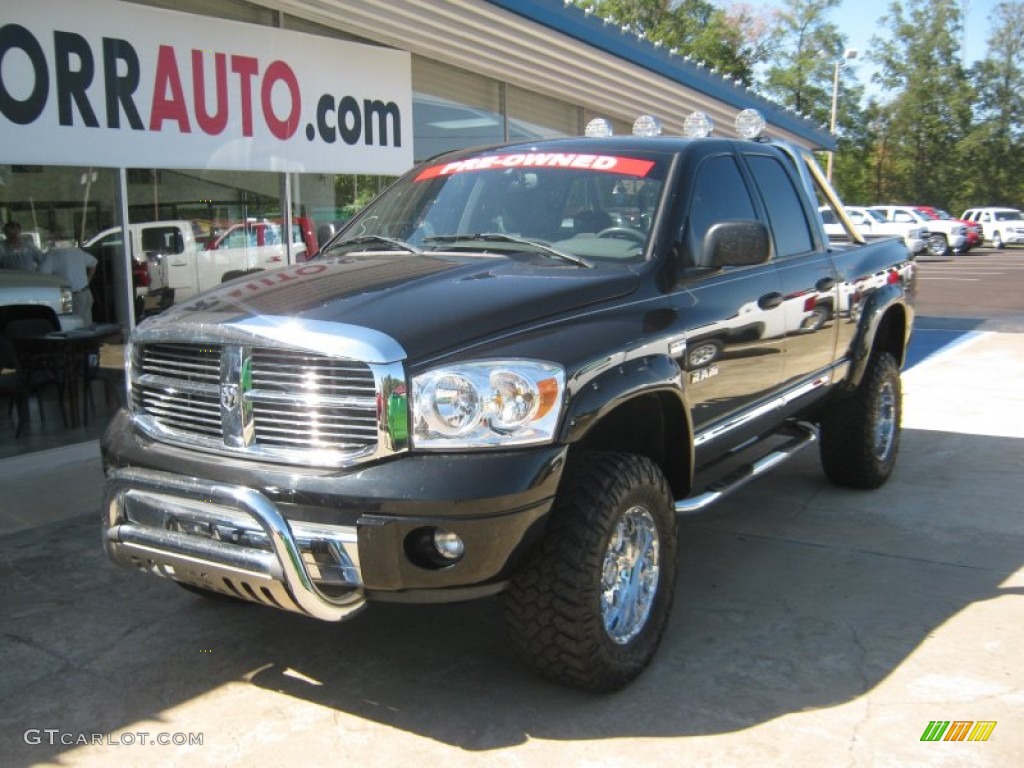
[[850, 53]]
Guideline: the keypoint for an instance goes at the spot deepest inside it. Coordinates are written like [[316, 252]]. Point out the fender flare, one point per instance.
[[593, 397], [876, 309]]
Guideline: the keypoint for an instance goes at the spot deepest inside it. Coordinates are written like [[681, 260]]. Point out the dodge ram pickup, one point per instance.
[[507, 376]]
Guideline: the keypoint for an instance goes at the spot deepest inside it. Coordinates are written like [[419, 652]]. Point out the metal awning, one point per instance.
[[559, 50]]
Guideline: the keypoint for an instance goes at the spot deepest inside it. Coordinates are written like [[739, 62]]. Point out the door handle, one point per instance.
[[825, 284], [770, 300]]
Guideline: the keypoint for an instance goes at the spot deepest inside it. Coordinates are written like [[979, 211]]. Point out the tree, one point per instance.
[[806, 48], [929, 112], [994, 148], [694, 28]]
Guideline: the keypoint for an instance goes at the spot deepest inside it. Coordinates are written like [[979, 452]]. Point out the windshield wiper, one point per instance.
[[363, 239], [501, 237]]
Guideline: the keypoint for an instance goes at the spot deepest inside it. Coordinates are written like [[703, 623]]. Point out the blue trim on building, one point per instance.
[[572, 21]]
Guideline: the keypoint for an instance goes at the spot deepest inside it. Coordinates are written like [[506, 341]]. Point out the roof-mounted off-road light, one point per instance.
[[647, 125], [750, 124], [697, 126], [598, 128]]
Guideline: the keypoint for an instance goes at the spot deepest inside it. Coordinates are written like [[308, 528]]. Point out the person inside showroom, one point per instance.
[[16, 253]]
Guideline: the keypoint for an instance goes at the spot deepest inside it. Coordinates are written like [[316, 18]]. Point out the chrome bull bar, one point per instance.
[[228, 539]]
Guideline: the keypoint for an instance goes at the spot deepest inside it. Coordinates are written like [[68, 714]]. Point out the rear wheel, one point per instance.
[[860, 434], [590, 606]]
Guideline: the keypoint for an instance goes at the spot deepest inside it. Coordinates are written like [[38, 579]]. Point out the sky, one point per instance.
[[858, 21]]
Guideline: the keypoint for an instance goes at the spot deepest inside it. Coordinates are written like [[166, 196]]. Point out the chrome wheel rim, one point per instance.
[[885, 424], [629, 579], [936, 246], [703, 354]]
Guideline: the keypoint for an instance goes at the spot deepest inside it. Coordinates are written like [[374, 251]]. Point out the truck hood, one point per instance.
[[425, 302]]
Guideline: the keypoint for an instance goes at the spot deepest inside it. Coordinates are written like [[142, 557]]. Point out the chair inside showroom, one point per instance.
[[13, 385], [41, 367]]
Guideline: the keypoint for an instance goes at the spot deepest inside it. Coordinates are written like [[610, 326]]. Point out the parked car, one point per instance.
[[873, 224], [974, 236], [944, 237], [1000, 226]]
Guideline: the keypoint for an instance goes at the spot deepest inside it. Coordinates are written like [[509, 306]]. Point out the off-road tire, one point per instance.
[[555, 610], [860, 434]]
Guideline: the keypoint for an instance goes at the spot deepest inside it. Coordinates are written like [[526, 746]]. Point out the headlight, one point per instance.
[[67, 301], [492, 403]]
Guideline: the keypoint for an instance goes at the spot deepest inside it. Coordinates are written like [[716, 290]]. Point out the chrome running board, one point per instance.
[[803, 434]]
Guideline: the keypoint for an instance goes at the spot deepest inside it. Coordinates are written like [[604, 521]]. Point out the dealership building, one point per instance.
[[224, 111]]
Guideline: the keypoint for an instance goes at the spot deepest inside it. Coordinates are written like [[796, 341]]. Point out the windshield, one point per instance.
[[572, 207]]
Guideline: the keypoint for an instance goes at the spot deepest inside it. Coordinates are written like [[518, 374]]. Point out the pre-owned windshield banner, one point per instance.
[[627, 166], [104, 83]]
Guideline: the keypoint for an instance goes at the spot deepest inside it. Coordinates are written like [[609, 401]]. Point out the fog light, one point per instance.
[[448, 545]]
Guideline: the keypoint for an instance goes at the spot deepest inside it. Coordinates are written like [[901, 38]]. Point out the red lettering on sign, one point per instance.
[[627, 166], [215, 123], [278, 71], [246, 68], [164, 107]]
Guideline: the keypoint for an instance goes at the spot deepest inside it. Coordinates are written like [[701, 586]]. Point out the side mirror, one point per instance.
[[736, 244]]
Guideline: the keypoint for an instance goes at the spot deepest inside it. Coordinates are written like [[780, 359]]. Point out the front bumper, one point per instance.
[[323, 542], [228, 539]]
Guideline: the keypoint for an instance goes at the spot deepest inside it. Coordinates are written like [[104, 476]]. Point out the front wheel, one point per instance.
[[860, 434], [938, 245], [590, 605], [997, 240]]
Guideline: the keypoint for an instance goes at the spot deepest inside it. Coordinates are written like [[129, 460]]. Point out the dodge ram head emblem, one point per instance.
[[229, 396]]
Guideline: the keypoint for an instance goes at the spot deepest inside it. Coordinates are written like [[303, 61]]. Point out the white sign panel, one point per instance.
[[104, 83]]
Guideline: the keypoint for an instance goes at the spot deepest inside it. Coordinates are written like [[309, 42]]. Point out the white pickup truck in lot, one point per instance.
[[945, 236], [873, 224], [182, 265], [21, 288]]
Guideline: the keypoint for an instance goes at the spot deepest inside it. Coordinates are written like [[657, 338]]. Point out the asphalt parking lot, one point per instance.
[[813, 626]]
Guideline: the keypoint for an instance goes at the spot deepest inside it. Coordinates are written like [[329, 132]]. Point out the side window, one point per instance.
[[902, 217], [162, 240], [785, 211], [719, 194], [828, 216]]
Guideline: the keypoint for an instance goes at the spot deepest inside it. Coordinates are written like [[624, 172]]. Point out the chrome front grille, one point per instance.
[[179, 386], [280, 404], [302, 400]]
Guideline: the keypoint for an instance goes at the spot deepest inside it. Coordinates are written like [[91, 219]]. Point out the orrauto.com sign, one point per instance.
[[105, 83]]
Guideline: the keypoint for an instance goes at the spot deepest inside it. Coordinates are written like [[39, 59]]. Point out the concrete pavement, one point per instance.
[[813, 626]]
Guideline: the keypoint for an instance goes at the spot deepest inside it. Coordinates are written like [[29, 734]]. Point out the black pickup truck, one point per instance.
[[509, 374]]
